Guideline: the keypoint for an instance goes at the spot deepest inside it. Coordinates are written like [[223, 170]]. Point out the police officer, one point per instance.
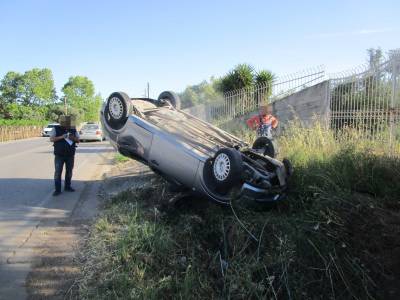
[[64, 137]]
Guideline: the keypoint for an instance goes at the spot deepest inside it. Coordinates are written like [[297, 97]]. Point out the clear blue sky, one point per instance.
[[121, 45]]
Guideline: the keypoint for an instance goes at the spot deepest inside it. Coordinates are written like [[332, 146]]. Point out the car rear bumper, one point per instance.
[[90, 137]]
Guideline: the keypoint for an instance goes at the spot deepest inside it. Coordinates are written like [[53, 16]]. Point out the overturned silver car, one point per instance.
[[189, 152]]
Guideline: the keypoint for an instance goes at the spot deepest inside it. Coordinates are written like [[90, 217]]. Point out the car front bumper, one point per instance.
[[261, 195]]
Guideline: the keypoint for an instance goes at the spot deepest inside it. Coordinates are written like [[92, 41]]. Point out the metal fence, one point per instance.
[[361, 103], [366, 101], [240, 102]]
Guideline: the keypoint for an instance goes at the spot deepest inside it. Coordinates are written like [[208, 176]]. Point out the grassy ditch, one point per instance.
[[337, 236]]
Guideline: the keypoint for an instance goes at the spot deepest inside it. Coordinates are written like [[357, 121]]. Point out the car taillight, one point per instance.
[[98, 132]]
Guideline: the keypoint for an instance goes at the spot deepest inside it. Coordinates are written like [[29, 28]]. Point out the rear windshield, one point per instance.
[[90, 127]]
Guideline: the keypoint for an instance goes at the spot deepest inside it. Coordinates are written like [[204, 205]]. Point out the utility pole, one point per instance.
[[148, 90]]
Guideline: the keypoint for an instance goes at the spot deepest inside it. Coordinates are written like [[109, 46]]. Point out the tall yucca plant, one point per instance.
[[264, 80], [242, 76]]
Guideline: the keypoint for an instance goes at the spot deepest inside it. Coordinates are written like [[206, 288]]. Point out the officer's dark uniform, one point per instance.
[[63, 153]]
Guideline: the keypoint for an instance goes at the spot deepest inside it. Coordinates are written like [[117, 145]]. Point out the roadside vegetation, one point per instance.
[[119, 158], [241, 76], [31, 97], [336, 236]]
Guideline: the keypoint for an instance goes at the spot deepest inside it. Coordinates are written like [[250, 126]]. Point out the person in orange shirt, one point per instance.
[[264, 122]]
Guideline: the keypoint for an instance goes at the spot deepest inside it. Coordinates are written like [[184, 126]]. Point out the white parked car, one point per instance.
[[46, 130], [91, 132]]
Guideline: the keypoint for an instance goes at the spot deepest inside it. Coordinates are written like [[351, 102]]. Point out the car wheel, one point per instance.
[[227, 167], [117, 110], [172, 97], [265, 144]]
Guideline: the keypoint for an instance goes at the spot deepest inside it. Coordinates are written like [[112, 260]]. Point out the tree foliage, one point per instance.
[[244, 76], [80, 96], [241, 76], [201, 93], [264, 77], [9, 88], [375, 57], [34, 87], [32, 96]]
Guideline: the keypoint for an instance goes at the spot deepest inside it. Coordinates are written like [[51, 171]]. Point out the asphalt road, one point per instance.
[[26, 186]]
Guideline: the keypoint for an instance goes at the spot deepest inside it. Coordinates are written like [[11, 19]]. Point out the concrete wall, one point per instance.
[[308, 105]]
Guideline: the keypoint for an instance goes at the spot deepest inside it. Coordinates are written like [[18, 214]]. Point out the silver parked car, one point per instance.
[[91, 132], [189, 152]]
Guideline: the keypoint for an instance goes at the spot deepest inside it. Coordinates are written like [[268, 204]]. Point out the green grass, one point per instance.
[[6, 122], [337, 235], [119, 158]]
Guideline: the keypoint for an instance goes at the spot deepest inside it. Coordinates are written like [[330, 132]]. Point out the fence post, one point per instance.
[[392, 109], [328, 112]]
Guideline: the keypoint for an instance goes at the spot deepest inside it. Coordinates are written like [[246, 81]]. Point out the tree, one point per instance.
[[80, 96], [202, 93], [375, 57], [37, 87], [264, 77], [34, 89], [9, 87], [242, 76]]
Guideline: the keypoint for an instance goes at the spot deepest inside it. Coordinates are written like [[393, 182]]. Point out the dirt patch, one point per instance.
[[55, 269]]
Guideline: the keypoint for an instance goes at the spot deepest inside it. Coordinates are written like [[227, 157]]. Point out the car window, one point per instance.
[[90, 127], [51, 126]]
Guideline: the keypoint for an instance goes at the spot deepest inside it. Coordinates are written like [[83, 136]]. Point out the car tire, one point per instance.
[[227, 167], [265, 144], [117, 110], [172, 97]]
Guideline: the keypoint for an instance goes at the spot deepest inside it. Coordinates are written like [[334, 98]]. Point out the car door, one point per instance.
[[173, 159]]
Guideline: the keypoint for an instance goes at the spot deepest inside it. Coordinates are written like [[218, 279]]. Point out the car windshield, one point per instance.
[[51, 126], [90, 127]]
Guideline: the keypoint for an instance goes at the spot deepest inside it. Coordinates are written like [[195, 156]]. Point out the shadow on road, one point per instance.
[[55, 227]]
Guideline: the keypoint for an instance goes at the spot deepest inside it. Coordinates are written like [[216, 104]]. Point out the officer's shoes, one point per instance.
[[56, 193], [69, 189]]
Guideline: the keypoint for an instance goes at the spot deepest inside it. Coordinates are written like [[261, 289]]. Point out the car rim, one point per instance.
[[222, 166], [116, 108]]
